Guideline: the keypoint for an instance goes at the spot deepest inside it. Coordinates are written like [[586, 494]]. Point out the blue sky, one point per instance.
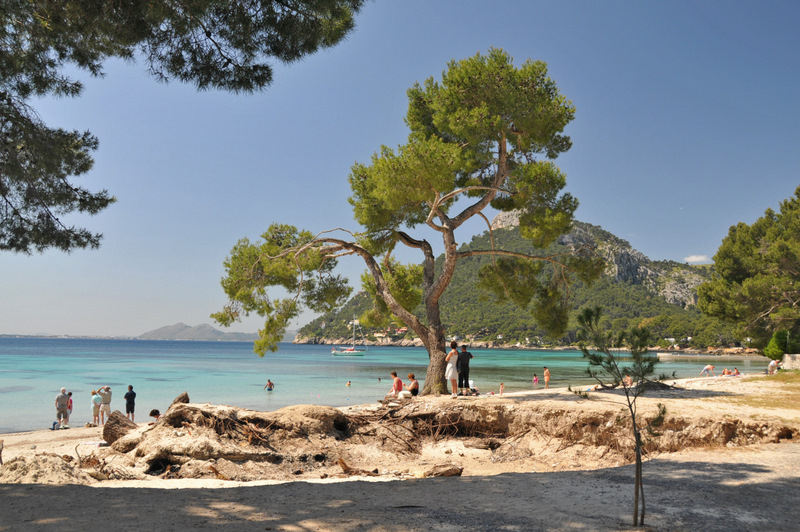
[[687, 123]]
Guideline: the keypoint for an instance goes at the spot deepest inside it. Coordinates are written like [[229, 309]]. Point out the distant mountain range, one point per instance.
[[202, 333]]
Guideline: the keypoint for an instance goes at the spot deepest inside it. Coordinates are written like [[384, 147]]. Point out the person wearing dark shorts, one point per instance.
[[463, 369], [129, 402]]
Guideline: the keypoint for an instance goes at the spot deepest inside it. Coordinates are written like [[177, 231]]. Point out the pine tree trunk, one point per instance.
[[638, 497], [637, 474], [434, 378]]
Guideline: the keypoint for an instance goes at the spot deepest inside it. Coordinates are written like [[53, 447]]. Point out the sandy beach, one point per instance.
[[733, 477]]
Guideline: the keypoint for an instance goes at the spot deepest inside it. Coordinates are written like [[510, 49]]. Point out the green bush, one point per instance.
[[777, 345]]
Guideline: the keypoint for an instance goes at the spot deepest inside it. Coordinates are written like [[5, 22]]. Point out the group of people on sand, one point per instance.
[[401, 390], [457, 369], [708, 370], [546, 376], [100, 404]]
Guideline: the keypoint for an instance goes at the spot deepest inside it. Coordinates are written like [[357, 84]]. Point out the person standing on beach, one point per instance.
[[62, 409], [96, 408], [451, 371], [546, 377], [463, 369], [130, 398], [105, 403], [69, 406], [772, 368]]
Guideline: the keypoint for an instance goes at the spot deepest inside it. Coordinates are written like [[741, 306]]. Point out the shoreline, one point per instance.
[[18, 443], [558, 487], [416, 342]]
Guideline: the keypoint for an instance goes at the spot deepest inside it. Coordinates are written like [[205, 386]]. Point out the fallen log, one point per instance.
[[354, 471], [117, 426]]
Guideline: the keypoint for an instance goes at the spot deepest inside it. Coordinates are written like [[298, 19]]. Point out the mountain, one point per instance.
[[634, 291], [677, 283], [181, 331]]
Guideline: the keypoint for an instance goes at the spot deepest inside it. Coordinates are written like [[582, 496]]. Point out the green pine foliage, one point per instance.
[[469, 311], [756, 283], [213, 44]]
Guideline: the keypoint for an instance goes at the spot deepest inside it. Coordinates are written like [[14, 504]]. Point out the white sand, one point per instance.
[[746, 488]]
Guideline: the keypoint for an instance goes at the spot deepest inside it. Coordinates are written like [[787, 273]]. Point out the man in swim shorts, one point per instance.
[[130, 398]]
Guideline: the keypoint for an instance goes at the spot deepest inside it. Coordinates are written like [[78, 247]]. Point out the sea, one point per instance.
[[33, 370]]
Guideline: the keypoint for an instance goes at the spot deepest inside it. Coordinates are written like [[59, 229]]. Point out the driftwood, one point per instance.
[[182, 398], [354, 471], [117, 426]]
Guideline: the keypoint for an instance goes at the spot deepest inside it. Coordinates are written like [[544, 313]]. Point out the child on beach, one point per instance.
[[502, 387], [535, 380]]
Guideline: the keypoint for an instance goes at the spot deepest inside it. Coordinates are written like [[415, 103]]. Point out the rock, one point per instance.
[[444, 470]]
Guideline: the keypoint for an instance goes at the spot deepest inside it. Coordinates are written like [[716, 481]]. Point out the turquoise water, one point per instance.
[[32, 370]]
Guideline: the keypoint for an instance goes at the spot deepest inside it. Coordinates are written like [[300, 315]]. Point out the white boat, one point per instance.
[[353, 350]]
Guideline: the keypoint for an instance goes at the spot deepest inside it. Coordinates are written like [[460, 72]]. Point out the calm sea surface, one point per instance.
[[32, 370]]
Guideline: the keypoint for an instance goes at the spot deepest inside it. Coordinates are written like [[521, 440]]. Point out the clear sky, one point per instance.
[[687, 123]]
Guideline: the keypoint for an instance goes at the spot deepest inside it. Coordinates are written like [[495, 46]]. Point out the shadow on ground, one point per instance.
[[744, 492]]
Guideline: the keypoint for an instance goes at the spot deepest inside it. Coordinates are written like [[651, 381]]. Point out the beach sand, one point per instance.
[[701, 488]]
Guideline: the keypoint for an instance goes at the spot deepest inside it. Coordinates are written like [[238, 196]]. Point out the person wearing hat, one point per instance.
[[105, 406]]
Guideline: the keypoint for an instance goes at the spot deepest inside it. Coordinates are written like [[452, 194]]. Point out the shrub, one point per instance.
[[780, 344]]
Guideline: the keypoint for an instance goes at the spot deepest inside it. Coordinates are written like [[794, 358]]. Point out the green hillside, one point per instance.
[[635, 291]]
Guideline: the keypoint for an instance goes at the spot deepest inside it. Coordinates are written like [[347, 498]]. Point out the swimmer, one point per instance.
[[269, 386]]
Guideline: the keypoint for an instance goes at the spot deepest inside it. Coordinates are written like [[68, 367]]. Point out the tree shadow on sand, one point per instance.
[[747, 494]]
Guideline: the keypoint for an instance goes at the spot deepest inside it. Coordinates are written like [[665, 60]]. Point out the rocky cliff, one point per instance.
[[676, 282]]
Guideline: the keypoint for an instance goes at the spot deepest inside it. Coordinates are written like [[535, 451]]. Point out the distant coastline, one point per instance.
[[416, 342], [177, 332]]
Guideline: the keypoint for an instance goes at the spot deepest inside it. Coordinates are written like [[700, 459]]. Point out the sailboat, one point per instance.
[[353, 350]]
